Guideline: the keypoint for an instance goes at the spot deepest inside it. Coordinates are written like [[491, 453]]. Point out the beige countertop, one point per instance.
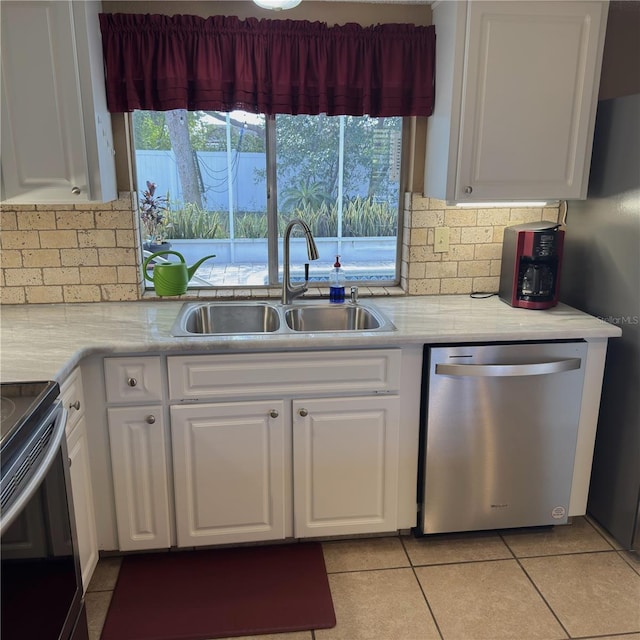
[[41, 342]]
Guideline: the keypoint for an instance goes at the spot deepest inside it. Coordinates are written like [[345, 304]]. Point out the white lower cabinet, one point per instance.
[[345, 465], [140, 477], [260, 447], [72, 394], [80, 471], [234, 465], [229, 472], [316, 456]]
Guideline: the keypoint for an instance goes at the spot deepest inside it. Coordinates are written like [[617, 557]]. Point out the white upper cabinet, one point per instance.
[[57, 142], [516, 96]]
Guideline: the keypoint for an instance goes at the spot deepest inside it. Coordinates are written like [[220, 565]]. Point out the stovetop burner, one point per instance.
[[23, 403]]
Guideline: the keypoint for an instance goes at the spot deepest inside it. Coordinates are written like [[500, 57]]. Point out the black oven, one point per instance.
[[41, 587]]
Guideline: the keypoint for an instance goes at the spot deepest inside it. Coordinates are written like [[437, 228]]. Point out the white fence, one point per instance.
[[249, 187]]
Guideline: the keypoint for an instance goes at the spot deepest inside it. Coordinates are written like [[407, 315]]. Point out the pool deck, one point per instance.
[[255, 275]]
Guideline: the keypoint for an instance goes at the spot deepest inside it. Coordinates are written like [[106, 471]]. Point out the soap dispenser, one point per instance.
[[336, 282]]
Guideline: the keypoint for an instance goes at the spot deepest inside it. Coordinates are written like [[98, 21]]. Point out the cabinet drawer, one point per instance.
[[72, 394], [200, 377], [133, 379]]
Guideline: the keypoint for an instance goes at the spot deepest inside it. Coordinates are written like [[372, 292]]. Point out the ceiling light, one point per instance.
[[277, 5]]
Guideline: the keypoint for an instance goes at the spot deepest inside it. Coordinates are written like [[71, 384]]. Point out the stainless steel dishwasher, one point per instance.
[[500, 424]]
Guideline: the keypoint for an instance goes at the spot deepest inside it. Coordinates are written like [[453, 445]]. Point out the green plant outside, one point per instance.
[[361, 218], [192, 222]]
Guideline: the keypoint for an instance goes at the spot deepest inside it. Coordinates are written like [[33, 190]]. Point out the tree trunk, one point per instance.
[[178, 126]]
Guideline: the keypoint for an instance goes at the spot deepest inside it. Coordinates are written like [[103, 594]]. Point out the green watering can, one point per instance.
[[171, 278]]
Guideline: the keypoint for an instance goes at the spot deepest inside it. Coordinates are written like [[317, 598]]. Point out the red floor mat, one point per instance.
[[198, 595]]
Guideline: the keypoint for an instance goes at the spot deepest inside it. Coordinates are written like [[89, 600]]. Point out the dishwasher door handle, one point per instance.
[[506, 370]]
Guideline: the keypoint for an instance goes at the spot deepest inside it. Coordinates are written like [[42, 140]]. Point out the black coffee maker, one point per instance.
[[531, 261]]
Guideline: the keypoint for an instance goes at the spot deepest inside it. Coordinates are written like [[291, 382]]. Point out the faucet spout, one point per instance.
[[289, 292]]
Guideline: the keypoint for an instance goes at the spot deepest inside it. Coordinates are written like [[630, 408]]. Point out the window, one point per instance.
[[230, 183]]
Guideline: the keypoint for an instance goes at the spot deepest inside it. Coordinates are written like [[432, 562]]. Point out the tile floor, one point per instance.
[[533, 584]]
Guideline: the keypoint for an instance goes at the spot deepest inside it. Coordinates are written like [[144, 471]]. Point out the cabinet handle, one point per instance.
[[75, 405], [132, 382], [76, 191], [303, 413], [151, 419], [468, 189], [273, 413]]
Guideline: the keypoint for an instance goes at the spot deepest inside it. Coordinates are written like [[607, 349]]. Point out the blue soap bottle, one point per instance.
[[336, 282]]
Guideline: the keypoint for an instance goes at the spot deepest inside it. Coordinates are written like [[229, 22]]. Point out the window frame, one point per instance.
[[274, 259]]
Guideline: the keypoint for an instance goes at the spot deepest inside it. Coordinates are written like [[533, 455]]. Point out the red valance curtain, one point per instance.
[[223, 63]]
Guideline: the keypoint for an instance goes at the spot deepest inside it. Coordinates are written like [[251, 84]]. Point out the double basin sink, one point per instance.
[[229, 318]]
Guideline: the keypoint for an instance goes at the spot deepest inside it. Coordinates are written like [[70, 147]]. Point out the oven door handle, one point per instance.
[[59, 414]]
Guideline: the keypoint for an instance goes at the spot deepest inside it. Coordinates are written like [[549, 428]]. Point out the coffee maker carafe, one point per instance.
[[531, 260]]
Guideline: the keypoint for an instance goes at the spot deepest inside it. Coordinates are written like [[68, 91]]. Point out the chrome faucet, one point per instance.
[[290, 292]]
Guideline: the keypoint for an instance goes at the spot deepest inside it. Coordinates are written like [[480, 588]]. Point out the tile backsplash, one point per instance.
[[69, 253], [472, 262], [91, 253]]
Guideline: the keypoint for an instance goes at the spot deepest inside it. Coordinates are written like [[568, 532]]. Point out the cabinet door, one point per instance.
[[82, 492], [230, 472], [531, 77], [345, 465], [139, 467], [56, 134]]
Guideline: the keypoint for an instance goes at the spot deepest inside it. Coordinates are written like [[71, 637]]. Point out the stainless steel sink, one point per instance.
[[332, 317], [234, 318], [215, 318]]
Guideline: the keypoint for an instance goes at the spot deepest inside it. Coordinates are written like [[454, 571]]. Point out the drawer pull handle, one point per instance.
[[151, 419], [76, 191], [273, 413], [303, 413], [75, 405], [132, 382]]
